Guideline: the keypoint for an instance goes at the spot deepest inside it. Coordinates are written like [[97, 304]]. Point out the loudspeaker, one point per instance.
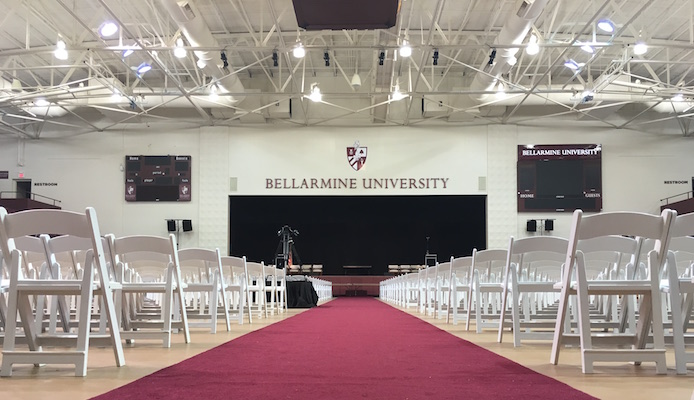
[[187, 225], [171, 225], [531, 225], [549, 224]]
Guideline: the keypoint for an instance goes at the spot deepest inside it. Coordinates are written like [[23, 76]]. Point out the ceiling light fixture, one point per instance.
[[606, 25], [678, 97], [60, 52], [130, 50], [107, 29], [533, 48], [299, 51], [571, 64], [213, 93], [201, 63], [142, 68], [640, 48], [501, 91], [405, 49], [179, 51], [397, 94], [356, 81], [587, 48], [41, 102], [316, 95]]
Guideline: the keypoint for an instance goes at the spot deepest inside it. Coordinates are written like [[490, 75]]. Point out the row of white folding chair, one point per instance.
[[575, 283], [393, 290], [94, 280], [323, 288]]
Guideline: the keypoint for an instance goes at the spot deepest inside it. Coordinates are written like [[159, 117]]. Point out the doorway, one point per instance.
[[23, 188]]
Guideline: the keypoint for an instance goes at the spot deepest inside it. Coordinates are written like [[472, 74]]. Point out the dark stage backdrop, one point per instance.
[[358, 230]]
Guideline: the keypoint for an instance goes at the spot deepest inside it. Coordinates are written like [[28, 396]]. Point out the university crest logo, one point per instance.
[[356, 156]]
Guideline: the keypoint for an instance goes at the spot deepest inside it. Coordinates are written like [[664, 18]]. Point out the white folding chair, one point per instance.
[[545, 253], [281, 288], [33, 222], [239, 295], [460, 287], [209, 287], [149, 265], [486, 288], [575, 282], [678, 286], [256, 287]]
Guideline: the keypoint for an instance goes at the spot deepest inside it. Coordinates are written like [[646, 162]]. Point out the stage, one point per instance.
[[355, 285]]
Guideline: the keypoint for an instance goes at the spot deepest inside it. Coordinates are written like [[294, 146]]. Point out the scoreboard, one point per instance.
[[157, 178]]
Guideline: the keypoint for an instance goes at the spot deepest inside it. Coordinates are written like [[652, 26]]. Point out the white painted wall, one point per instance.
[[87, 168]]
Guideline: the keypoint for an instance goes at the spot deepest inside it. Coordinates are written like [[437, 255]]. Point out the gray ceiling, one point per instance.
[[613, 86]]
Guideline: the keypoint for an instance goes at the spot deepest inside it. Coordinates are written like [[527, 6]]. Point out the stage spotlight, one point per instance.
[[225, 62], [381, 57], [326, 57], [436, 57], [492, 56], [274, 59]]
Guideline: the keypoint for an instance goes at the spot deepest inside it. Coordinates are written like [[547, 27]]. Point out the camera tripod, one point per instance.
[[286, 251]]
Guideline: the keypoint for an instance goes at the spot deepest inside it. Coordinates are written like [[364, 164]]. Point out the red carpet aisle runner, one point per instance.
[[349, 348]]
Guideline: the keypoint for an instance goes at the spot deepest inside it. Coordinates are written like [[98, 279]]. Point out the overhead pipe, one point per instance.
[[198, 34]]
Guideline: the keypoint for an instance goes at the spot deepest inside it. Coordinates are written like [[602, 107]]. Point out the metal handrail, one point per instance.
[[34, 196], [667, 199]]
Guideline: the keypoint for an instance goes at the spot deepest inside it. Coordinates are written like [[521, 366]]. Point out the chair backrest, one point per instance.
[[489, 263], [234, 267], [139, 250], [682, 243], [53, 222], [207, 261], [33, 255], [539, 252], [461, 267], [256, 272], [627, 223], [613, 252]]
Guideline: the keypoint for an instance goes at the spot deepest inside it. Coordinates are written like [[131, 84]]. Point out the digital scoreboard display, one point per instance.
[[560, 178], [157, 178]]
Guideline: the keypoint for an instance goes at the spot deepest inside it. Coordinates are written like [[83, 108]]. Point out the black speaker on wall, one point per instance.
[[531, 225], [549, 224], [187, 225], [171, 225]]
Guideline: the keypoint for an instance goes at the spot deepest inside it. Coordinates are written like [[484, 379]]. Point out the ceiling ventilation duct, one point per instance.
[[198, 35]]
